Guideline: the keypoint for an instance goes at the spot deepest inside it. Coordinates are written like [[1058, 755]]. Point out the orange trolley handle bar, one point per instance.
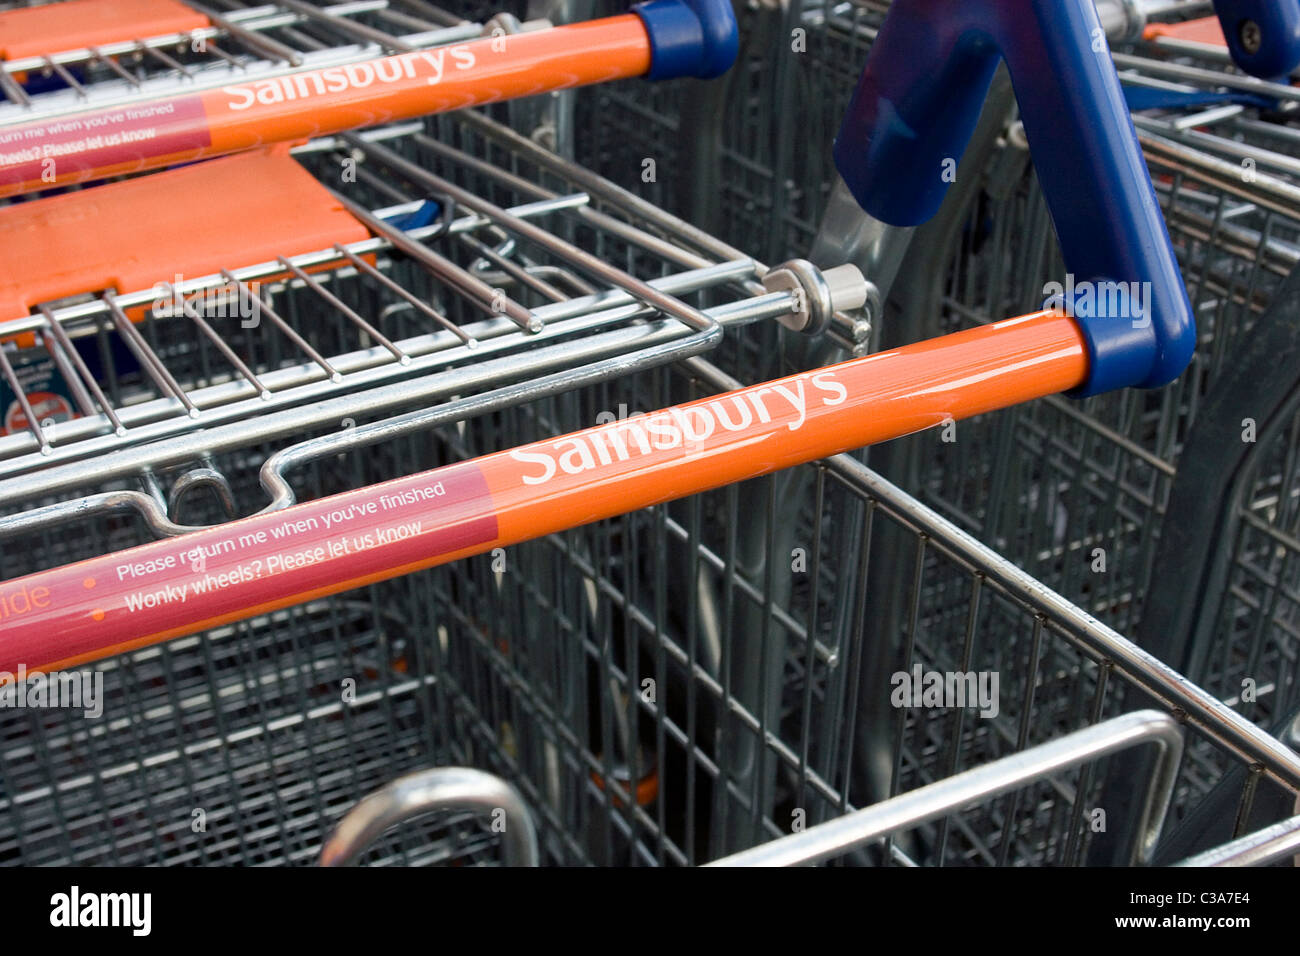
[[106, 605], [659, 39]]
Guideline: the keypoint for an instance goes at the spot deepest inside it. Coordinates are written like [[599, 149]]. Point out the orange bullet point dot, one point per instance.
[[88, 583], [97, 614]]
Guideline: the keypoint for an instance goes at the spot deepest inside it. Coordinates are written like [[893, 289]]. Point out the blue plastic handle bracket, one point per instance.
[[689, 37], [914, 110], [1263, 35]]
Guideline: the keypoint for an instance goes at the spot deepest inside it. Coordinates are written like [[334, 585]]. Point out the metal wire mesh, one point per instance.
[[666, 687], [1050, 482], [241, 41], [663, 688], [243, 724], [748, 156], [1255, 661], [1073, 477], [410, 315]]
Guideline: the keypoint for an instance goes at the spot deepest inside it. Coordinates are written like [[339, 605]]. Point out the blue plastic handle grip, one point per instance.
[[689, 37], [1275, 50], [917, 104]]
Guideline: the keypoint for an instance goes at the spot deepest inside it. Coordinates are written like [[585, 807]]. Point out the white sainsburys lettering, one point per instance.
[[432, 64], [786, 402]]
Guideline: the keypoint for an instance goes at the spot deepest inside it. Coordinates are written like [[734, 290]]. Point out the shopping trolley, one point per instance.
[[1233, 629], [1067, 488], [660, 41], [763, 174], [326, 364], [532, 663], [533, 659], [447, 790], [75, 55], [1077, 493]]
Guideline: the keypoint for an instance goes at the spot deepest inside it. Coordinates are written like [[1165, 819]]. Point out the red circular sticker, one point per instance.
[[47, 406]]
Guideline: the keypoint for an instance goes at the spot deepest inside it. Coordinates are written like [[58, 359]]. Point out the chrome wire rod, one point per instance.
[[937, 800], [442, 789]]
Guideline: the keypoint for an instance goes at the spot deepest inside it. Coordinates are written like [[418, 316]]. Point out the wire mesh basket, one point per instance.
[[670, 686], [666, 687], [178, 391], [1072, 491], [687, 681], [748, 157], [82, 54], [1082, 486]]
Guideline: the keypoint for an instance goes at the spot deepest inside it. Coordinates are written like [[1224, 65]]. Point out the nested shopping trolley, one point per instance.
[[452, 486], [1063, 487], [64, 58], [1081, 486]]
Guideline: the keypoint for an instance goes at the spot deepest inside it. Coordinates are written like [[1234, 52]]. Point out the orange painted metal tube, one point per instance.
[[86, 611], [298, 106], [78, 24], [1207, 30]]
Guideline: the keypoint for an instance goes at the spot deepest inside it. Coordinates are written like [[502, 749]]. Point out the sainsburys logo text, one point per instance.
[[431, 64], [689, 428]]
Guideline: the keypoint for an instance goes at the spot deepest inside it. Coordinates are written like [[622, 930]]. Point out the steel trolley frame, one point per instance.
[[502, 686], [1096, 475], [697, 445], [78, 55], [1053, 481]]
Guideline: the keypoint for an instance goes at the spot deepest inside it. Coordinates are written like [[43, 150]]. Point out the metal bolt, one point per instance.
[[1252, 38]]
